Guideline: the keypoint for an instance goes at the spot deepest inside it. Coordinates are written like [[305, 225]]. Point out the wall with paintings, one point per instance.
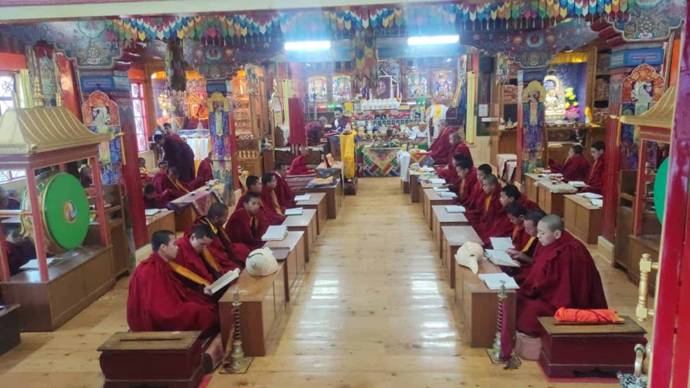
[[101, 115], [533, 118]]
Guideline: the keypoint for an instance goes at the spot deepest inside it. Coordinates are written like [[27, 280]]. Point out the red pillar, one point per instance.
[[611, 185]]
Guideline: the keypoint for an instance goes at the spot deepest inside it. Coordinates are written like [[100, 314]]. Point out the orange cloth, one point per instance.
[[587, 316]]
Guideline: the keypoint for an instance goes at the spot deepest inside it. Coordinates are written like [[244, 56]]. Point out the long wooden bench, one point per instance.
[[306, 223], [432, 198], [439, 218], [263, 307], [317, 201], [477, 305], [453, 238], [582, 219], [293, 252]]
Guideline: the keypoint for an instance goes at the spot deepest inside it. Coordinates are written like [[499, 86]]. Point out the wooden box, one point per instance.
[[306, 223], [152, 359], [317, 201], [163, 220], [582, 219], [550, 202], [431, 198], [414, 188], [334, 197], [531, 187], [576, 350], [9, 328], [295, 261], [263, 307], [439, 218], [453, 238], [478, 305]]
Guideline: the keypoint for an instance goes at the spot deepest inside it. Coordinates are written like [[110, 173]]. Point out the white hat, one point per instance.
[[469, 255], [261, 262]]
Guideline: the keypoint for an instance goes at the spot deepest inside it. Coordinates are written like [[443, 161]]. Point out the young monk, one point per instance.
[[274, 213], [491, 211], [159, 300], [160, 177], [511, 194], [152, 200], [459, 148], [525, 253], [144, 175], [576, 167], [468, 181], [524, 238], [299, 164], [286, 197], [191, 255], [204, 172], [245, 225], [172, 188], [227, 254], [595, 182], [563, 275]]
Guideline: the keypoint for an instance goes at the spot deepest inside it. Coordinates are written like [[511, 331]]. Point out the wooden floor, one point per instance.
[[372, 312]]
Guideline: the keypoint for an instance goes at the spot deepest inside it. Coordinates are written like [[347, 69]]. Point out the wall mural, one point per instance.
[[221, 146], [102, 115], [533, 96]]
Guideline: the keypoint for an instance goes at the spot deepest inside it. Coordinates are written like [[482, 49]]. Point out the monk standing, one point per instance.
[[245, 225], [227, 254], [595, 182], [274, 213], [158, 299], [563, 275], [441, 147], [286, 197], [177, 153]]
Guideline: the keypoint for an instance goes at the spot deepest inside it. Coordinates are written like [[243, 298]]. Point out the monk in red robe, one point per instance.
[[191, 254], [274, 214], [467, 180], [244, 226], [177, 153], [204, 172], [576, 167], [160, 177], [490, 222], [511, 194], [227, 254], [524, 253], [7, 202], [152, 200], [144, 175], [286, 197], [458, 148], [595, 182], [441, 147], [159, 300], [299, 164], [172, 188], [563, 275]]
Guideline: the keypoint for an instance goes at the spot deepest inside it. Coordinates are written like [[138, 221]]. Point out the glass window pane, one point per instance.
[[138, 108], [135, 90], [6, 86]]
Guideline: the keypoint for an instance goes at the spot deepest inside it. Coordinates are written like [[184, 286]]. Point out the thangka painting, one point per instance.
[[640, 90], [221, 137], [417, 85], [101, 115], [317, 88], [554, 101], [533, 97], [197, 111], [342, 88], [442, 85]]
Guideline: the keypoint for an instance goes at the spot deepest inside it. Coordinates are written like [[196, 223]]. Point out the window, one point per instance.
[[139, 116], [6, 92]]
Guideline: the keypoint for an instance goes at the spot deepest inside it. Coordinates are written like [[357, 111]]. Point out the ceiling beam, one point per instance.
[[75, 9]]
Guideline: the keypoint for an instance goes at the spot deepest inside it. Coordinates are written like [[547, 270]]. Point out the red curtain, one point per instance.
[[298, 132]]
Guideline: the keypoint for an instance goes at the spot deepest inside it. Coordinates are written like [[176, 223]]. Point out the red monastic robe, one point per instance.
[[449, 173], [187, 257], [466, 188], [563, 274], [160, 180], [227, 254], [286, 197], [155, 202], [528, 204], [492, 212], [299, 166], [441, 147], [204, 173], [576, 168], [522, 241], [179, 154], [595, 182], [171, 190], [159, 301], [245, 228], [274, 214]]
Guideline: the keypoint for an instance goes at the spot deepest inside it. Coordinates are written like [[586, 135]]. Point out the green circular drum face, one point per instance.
[[66, 210]]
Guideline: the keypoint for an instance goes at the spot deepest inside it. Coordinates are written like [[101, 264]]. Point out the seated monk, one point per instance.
[[7, 202], [595, 182], [172, 187], [467, 175], [160, 178], [159, 300], [286, 197], [254, 185], [510, 194], [18, 250], [441, 147], [563, 275], [191, 256], [274, 214], [576, 167], [245, 224], [153, 200], [144, 175], [491, 211], [524, 253], [204, 172], [299, 164], [223, 251]]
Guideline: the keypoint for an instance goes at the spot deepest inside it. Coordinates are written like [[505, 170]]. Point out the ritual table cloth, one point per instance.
[[378, 162]]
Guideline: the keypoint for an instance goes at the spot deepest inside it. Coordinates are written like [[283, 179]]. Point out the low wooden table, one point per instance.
[[571, 350], [334, 197], [582, 219], [189, 206], [431, 198], [306, 222], [453, 238], [295, 260], [441, 217], [163, 220], [9, 328], [551, 199], [317, 201], [478, 305], [531, 187], [263, 307]]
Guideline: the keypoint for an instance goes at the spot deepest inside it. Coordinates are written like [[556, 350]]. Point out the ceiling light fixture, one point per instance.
[[432, 40], [307, 45]]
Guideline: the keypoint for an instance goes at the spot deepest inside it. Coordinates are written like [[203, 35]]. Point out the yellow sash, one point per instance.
[[187, 274], [529, 243], [206, 254], [591, 172], [487, 202], [276, 205], [177, 184]]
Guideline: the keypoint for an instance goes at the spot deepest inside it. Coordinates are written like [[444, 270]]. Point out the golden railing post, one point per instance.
[[646, 266]]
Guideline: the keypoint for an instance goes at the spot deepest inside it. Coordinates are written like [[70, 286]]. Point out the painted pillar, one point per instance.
[[222, 133], [116, 117]]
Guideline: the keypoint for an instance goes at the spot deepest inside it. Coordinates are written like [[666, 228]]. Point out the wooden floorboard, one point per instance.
[[373, 311]]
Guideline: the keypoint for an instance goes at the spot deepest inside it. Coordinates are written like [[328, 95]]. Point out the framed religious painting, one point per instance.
[[417, 85], [442, 85], [342, 88], [384, 88], [317, 87]]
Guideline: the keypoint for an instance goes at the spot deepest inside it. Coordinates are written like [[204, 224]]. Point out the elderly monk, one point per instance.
[[299, 164], [563, 275], [576, 167], [226, 254], [274, 213], [286, 197], [595, 182], [245, 225], [158, 298]]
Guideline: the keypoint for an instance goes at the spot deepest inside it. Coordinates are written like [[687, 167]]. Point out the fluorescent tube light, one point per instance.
[[432, 40], [307, 45]]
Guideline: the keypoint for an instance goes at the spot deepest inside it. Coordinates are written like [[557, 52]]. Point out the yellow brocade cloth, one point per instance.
[[347, 152]]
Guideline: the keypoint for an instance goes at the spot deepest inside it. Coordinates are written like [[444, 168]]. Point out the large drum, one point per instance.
[[65, 210]]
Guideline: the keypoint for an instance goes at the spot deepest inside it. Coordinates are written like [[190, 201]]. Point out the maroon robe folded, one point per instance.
[[563, 274], [286, 197], [245, 228], [159, 301], [229, 255], [273, 213], [595, 183], [204, 173], [299, 166], [576, 168], [441, 147]]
